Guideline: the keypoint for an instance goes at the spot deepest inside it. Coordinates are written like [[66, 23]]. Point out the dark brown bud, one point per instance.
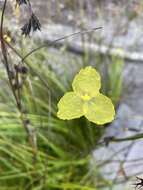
[[24, 70], [21, 69]]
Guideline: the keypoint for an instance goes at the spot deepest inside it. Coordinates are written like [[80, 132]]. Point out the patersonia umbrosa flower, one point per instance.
[[86, 100]]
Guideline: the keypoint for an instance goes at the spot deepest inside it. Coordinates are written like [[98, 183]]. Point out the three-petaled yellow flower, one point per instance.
[[86, 100]]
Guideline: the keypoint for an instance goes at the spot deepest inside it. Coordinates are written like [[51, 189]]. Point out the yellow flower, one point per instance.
[[7, 38], [86, 100]]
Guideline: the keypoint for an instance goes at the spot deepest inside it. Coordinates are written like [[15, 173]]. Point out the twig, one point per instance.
[[110, 139], [60, 39], [23, 118]]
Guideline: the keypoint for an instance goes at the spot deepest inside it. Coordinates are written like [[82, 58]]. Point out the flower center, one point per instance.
[[86, 97]]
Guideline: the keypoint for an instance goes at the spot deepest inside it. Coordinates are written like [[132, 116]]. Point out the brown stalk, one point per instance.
[[16, 92]]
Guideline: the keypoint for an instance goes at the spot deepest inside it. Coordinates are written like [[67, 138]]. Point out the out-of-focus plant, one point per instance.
[[115, 78]]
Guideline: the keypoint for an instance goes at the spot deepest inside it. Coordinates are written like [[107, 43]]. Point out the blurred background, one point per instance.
[[77, 154]]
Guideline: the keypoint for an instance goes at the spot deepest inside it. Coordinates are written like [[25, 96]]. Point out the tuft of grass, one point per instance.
[[115, 79], [64, 148]]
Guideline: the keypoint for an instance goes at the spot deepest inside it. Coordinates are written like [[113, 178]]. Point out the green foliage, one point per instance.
[[115, 79], [64, 147]]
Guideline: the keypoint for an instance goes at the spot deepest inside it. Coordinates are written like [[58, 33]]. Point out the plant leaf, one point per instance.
[[99, 110], [87, 82], [70, 106]]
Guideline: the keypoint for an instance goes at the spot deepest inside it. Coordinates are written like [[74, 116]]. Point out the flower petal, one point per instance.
[[87, 82], [70, 106], [99, 110]]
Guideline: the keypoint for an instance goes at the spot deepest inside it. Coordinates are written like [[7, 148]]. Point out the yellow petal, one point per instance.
[[87, 83], [99, 110], [70, 106]]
